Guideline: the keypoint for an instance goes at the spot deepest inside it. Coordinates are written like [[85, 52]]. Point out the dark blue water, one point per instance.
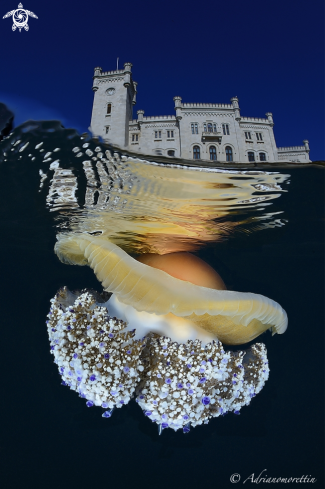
[[51, 439]]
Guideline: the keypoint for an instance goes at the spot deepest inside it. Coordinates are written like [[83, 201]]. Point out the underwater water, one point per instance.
[[261, 228]]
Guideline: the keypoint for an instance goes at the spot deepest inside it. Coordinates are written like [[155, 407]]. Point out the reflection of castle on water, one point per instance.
[[215, 132]]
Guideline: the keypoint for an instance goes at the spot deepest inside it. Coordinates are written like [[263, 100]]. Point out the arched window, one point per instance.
[[210, 127], [213, 153], [262, 157], [196, 153], [251, 156], [229, 153], [109, 108], [171, 152]]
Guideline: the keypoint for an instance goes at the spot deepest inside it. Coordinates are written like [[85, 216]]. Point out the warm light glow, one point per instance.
[[185, 266]]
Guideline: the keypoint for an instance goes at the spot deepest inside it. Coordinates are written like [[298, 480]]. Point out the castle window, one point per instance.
[[194, 128], [109, 109], [214, 127], [210, 127], [157, 134], [171, 152], [251, 156], [213, 153], [196, 153], [248, 135], [204, 127], [229, 153], [106, 129], [135, 137], [225, 129], [170, 134], [259, 136], [262, 157], [158, 152]]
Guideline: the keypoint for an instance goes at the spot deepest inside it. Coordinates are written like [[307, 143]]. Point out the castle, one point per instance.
[[209, 132]]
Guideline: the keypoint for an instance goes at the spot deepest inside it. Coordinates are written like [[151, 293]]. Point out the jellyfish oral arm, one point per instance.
[[176, 328]]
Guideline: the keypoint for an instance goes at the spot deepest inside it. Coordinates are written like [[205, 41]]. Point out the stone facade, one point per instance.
[[210, 132]]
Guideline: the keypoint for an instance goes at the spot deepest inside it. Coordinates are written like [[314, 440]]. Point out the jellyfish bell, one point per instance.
[[185, 266], [142, 292]]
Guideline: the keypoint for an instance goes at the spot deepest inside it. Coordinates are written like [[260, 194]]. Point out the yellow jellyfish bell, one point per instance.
[[232, 317]]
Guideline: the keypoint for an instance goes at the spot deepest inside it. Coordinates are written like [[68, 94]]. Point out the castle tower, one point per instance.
[[114, 97]]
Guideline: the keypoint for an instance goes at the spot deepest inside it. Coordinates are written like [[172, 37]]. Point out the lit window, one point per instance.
[[106, 129], [213, 153], [262, 157], [251, 156], [225, 129], [109, 108], [248, 135], [229, 153], [196, 153], [171, 152], [259, 136]]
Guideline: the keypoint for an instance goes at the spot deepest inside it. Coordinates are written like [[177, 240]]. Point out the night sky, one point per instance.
[[268, 53]]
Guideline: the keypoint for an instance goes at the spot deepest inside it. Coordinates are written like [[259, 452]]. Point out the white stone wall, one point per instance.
[[148, 143], [294, 154], [266, 146]]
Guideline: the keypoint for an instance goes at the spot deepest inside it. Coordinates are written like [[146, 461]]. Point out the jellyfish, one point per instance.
[[177, 385], [159, 336], [188, 305]]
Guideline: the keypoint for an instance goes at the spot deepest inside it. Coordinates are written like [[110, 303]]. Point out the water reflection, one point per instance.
[[145, 207]]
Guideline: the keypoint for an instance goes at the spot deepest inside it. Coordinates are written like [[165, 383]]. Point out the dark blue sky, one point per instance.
[[268, 53]]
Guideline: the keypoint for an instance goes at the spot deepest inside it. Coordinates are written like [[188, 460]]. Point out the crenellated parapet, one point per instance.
[[206, 106], [254, 119], [291, 148]]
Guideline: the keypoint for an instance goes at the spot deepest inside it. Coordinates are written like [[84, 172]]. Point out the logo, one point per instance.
[[20, 18]]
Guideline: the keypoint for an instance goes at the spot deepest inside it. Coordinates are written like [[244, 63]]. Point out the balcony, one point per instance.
[[211, 136]]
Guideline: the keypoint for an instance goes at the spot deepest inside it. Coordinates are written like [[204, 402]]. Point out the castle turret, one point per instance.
[[127, 74], [178, 107], [114, 97], [140, 115], [270, 118], [306, 143], [235, 104]]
